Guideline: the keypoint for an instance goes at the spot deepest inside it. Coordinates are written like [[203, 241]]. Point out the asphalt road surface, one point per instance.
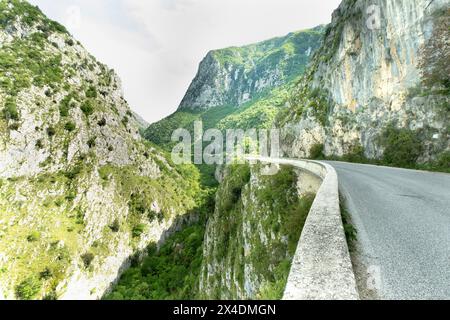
[[403, 223]]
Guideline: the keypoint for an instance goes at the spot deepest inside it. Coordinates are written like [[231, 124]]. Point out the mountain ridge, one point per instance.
[[227, 91], [227, 76]]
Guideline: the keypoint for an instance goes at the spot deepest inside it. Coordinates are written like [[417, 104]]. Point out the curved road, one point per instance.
[[403, 223]]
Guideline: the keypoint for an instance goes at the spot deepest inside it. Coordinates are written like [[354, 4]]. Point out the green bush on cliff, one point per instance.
[[87, 108], [239, 177], [443, 160], [70, 126], [279, 195], [316, 151], [87, 259], [91, 92], [356, 154], [10, 112], [28, 288], [402, 147]]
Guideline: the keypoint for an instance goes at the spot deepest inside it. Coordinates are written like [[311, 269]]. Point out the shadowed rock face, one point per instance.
[[362, 79]]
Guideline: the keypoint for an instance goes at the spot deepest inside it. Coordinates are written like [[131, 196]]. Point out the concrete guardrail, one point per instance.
[[321, 268]]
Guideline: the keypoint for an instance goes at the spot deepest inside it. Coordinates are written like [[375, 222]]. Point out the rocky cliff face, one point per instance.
[[234, 76], [80, 191], [252, 235], [370, 73], [241, 87]]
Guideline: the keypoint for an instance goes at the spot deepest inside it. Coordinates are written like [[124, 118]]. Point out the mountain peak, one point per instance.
[[236, 75]]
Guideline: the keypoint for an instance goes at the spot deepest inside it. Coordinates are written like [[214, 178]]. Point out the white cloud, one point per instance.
[[156, 45]]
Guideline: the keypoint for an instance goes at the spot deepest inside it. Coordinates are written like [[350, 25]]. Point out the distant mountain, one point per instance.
[[242, 85]]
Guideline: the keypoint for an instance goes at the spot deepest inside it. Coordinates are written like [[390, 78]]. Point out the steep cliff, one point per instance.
[[80, 191], [252, 235], [242, 86], [382, 64], [233, 76]]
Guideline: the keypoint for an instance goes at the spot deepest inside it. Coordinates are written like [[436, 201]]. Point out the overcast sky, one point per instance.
[[156, 45]]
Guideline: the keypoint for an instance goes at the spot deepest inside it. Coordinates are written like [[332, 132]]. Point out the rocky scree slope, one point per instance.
[[363, 80], [80, 191]]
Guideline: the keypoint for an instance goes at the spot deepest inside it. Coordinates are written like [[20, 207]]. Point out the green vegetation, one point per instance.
[[115, 226], [172, 271], [305, 100], [87, 108], [70, 126], [39, 144], [30, 15], [274, 208], [66, 104], [87, 259], [443, 161], [27, 61], [33, 236], [316, 151], [177, 189], [138, 230], [402, 147], [45, 274], [160, 133], [356, 154], [91, 92], [102, 122], [28, 288], [231, 193], [350, 231], [10, 112], [51, 131], [272, 53], [259, 113], [274, 290], [435, 56], [91, 142], [166, 274]]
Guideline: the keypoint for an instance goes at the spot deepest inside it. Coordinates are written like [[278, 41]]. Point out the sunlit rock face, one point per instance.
[[234, 76], [369, 71]]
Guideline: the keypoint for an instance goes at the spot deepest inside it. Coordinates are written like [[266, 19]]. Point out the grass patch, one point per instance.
[[351, 234]]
